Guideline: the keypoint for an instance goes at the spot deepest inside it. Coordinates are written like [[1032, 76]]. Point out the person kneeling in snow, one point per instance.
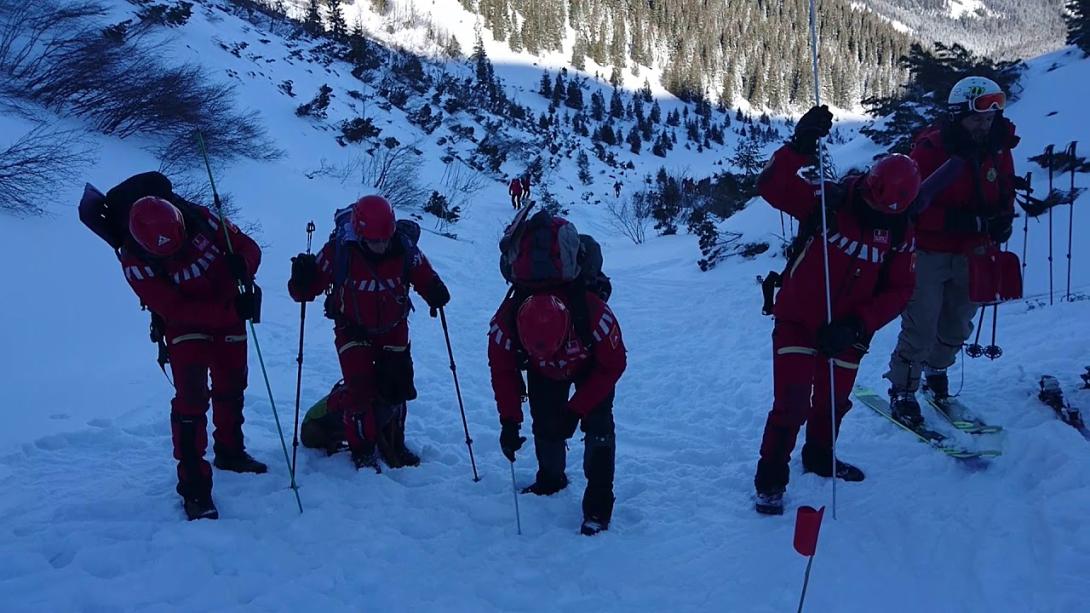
[[560, 337], [368, 269], [871, 276], [182, 269]]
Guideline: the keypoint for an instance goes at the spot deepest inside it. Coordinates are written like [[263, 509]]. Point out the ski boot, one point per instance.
[[543, 486], [592, 526], [936, 382], [391, 444], [238, 462], [905, 408], [365, 456], [819, 462], [200, 507], [769, 503]]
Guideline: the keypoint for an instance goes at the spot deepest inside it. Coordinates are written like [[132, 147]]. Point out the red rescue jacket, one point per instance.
[[374, 297], [193, 289], [595, 369], [515, 188], [994, 174], [857, 252]]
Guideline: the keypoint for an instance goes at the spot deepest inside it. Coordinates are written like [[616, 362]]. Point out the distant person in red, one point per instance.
[[515, 189], [560, 338], [369, 276], [182, 270], [872, 274], [525, 187]]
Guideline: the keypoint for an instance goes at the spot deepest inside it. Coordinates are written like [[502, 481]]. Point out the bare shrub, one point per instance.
[[395, 174], [631, 216], [33, 166]]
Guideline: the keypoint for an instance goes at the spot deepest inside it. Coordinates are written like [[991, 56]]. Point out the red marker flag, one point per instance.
[[807, 525]]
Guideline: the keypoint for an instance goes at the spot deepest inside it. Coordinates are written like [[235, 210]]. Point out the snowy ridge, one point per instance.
[[90, 520]]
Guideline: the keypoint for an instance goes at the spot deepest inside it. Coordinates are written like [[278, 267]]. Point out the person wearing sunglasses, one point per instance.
[[973, 213]]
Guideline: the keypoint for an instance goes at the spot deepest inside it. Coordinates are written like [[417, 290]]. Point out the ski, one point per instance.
[[1052, 395], [959, 415], [880, 405]]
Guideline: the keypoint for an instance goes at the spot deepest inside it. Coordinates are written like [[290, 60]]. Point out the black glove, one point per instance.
[[1000, 227], [246, 305], [1021, 184], [835, 337], [964, 222], [510, 441], [438, 296], [238, 267], [304, 269], [815, 124]]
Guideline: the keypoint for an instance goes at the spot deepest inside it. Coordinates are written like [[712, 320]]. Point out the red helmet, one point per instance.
[[156, 225], [892, 184], [373, 219], [543, 324]]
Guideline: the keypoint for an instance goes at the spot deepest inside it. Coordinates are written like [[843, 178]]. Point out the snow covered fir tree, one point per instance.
[[498, 305]]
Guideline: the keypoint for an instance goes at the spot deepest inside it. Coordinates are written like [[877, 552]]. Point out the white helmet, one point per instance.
[[976, 94]]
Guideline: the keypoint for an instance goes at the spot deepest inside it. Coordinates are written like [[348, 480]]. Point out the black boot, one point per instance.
[[551, 461], [769, 503], [905, 408], [238, 462], [599, 465], [365, 456], [200, 507], [391, 443], [936, 382], [819, 461]]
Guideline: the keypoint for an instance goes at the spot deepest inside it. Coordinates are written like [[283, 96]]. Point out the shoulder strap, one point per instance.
[[580, 311]]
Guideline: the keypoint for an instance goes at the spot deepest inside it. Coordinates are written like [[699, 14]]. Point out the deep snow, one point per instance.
[[89, 520]]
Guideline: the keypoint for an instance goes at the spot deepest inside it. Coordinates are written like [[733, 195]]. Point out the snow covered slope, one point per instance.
[[89, 520]]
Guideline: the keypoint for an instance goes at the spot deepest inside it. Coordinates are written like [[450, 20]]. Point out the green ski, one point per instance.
[[879, 404], [959, 415]]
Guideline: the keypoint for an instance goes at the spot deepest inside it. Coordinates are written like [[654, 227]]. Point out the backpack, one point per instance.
[[544, 251], [344, 237], [107, 215]]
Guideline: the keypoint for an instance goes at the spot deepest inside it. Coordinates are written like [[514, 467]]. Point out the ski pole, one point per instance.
[[253, 332], [1048, 156], [1070, 218], [1025, 230], [824, 237], [458, 392], [975, 350], [993, 351], [299, 359], [515, 491]]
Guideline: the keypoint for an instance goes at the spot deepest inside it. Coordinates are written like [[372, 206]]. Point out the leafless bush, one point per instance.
[[394, 173], [58, 55], [631, 216], [33, 166], [461, 183]]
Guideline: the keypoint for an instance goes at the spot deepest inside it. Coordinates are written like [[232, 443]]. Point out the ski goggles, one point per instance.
[[988, 102]]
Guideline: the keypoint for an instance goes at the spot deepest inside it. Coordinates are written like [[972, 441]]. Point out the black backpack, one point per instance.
[[107, 215]]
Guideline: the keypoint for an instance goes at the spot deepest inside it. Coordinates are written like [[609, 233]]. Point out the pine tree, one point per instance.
[[574, 98], [312, 19], [597, 106], [584, 168], [747, 156], [634, 141], [1078, 24], [656, 112], [338, 27], [616, 105], [579, 54], [546, 87]]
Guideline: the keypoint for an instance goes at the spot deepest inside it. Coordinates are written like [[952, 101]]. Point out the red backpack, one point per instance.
[[541, 251]]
